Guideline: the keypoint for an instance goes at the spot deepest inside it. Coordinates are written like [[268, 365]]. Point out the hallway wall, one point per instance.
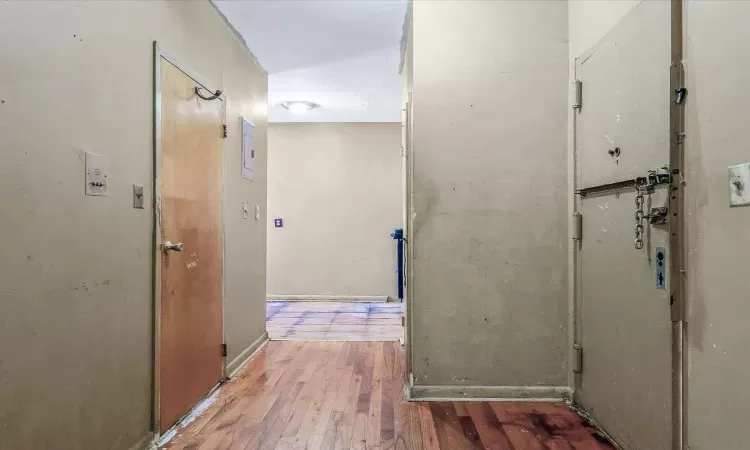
[[76, 306], [489, 290], [337, 187], [716, 62]]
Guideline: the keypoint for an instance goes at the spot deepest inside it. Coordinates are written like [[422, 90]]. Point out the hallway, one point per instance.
[[341, 395], [374, 224]]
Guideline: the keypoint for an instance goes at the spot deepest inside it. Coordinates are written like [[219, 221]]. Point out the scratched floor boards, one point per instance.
[[334, 321], [348, 395]]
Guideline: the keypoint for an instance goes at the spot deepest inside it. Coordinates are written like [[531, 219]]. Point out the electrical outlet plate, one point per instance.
[[97, 168], [739, 185], [138, 196]]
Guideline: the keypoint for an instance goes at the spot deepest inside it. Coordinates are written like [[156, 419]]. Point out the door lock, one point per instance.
[[659, 215], [168, 246]]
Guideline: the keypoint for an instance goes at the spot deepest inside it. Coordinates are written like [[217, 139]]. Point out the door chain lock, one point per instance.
[[639, 216], [656, 216]]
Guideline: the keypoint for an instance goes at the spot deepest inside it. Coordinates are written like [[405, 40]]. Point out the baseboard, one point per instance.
[[328, 298], [489, 393], [243, 358], [583, 413], [148, 442]]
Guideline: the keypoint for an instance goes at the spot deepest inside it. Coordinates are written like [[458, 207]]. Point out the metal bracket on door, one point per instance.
[[653, 179], [658, 215], [647, 183]]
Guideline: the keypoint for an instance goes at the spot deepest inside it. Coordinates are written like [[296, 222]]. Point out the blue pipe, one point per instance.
[[398, 235]]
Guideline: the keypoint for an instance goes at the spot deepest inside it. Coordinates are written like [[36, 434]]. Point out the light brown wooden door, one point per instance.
[[191, 336]]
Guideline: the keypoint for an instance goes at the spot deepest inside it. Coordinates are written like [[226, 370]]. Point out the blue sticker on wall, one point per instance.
[[278, 223]]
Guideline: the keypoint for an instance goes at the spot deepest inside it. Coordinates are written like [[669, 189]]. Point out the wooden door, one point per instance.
[[191, 334], [624, 307]]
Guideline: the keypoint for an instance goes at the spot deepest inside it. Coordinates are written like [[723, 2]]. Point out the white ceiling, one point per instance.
[[341, 54]]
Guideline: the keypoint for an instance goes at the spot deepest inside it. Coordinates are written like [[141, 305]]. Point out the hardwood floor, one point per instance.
[[334, 321], [348, 395]]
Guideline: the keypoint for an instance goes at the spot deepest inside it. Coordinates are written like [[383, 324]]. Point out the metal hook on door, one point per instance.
[[211, 97]]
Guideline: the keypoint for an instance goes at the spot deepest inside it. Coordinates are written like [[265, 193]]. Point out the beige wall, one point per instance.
[[75, 281], [489, 242], [717, 62], [590, 20], [337, 186]]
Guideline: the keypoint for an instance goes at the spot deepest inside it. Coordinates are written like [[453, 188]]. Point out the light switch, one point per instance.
[[97, 168], [244, 210], [739, 185]]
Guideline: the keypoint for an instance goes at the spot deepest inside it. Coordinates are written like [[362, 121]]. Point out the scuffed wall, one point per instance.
[[717, 64], [76, 316], [489, 243], [337, 186]]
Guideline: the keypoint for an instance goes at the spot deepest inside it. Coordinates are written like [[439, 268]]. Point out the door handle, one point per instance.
[[168, 246]]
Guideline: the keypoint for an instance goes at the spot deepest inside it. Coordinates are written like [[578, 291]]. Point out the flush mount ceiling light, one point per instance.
[[299, 107]]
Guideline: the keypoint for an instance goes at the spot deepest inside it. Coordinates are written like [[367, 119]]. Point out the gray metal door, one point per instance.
[[623, 302]]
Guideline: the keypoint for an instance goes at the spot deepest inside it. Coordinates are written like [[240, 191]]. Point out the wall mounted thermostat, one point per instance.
[[278, 223], [97, 168]]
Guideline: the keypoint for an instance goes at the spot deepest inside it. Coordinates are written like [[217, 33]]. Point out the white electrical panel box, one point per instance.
[[97, 169], [739, 185], [248, 149]]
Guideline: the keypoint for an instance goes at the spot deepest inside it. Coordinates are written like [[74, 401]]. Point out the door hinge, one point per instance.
[[223, 349], [577, 226], [577, 94], [224, 131], [403, 322], [577, 358]]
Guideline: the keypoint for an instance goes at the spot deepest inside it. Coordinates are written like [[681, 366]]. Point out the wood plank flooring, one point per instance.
[[334, 321], [348, 395]]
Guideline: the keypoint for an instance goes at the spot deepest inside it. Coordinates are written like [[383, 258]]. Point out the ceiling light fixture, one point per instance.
[[299, 106]]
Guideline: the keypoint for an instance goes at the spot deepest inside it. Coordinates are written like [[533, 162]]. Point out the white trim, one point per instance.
[[328, 298], [190, 416], [582, 412], [243, 358], [348, 339], [147, 442], [490, 393]]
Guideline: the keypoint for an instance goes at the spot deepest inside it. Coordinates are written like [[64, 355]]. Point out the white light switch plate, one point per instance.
[[739, 185], [97, 169]]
